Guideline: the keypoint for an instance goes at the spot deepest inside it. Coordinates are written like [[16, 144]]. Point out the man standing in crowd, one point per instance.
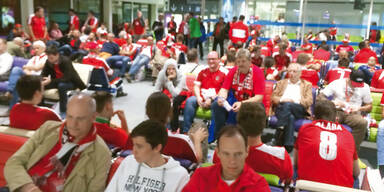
[[172, 26], [26, 114], [61, 75], [74, 22], [329, 146], [36, 25], [158, 28], [232, 174], [138, 27], [239, 31], [43, 162], [351, 97], [246, 81], [194, 31], [206, 87], [292, 98], [92, 22], [219, 36]]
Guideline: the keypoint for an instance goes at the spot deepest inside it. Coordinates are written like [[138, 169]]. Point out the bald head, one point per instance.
[[343, 54], [86, 101], [81, 113], [213, 54]]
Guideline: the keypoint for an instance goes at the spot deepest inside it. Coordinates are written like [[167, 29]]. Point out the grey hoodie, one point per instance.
[[175, 86]]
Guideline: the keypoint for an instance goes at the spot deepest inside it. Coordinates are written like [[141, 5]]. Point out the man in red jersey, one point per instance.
[[74, 22], [325, 150], [37, 26], [26, 114], [239, 31], [262, 158], [345, 47], [364, 54], [91, 22], [138, 27], [110, 133], [341, 72], [232, 174]]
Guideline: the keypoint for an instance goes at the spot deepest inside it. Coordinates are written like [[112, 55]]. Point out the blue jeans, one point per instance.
[[189, 113], [193, 43], [123, 68], [15, 75], [286, 114], [219, 115], [139, 61], [63, 88], [380, 143]]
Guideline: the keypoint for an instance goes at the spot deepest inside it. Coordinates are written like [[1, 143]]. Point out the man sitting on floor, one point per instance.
[[26, 114], [232, 174], [109, 132], [325, 151]]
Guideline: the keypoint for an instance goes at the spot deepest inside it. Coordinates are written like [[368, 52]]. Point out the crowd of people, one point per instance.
[[68, 151]]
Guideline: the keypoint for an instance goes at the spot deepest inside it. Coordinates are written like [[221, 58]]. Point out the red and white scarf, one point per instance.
[[243, 90], [51, 177]]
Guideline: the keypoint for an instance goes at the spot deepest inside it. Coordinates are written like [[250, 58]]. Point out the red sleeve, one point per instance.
[[52, 116], [382, 101], [375, 77], [229, 78], [261, 185], [193, 183], [230, 33], [351, 49], [338, 48], [287, 172], [200, 76], [258, 81], [327, 77]]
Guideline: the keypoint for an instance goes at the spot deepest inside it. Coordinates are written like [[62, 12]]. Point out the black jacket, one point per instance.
[[69, 73], [222, 31]]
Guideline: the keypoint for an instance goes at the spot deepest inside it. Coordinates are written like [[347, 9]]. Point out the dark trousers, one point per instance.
[[177, 101], [63, 88], [286, 114], [200, 44], [219, 42]]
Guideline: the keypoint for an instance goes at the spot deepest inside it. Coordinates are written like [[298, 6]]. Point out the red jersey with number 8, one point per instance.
[[326, 151]]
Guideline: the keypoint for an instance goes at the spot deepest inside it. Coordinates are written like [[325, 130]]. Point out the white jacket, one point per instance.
[[170, 177]]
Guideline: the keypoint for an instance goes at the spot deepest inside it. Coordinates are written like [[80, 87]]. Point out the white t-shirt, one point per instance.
[[168, 177], [337, 89], [292, 92], [36, 61], [6, 61]]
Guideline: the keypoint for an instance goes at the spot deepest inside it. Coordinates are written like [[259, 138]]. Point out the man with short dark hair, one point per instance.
[[67, 156], [26, 114], [341, 72], [232, 174], [219, 36], [158, 28], [238, 31], [60, 75], [110, 133], [364, 53], [147, 169], [74, 22], [92, 22], [324, 150], [36, 25]]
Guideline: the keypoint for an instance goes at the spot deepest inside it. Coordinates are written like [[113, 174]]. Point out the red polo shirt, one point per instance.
[[38, 26]]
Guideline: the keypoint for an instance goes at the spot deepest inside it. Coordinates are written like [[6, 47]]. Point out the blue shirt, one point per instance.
[[110, 47], [367, 74]]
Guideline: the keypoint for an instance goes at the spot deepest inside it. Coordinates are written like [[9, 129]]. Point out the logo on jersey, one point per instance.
[[329, 126]]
